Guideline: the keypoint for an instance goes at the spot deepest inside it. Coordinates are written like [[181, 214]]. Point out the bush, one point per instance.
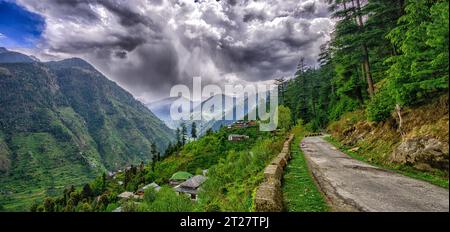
[[166, 200], [340, 107], [111, 207], [232, 181], [380, 107], [149, 195]]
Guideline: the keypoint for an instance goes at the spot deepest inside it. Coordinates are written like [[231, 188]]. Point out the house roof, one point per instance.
[[238, 136], [117, 210], [152, 185], [126, 195], [193, 182], [181, 176]]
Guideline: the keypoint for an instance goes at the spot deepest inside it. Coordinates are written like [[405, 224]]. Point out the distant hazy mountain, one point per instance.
[[64, 122], [162, 110]]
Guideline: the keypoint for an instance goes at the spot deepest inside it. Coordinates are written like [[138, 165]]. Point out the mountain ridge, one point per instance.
[[62, 123], [162, 110]]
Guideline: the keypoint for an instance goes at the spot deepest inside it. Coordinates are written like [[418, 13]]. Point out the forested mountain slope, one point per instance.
[[63, 123]]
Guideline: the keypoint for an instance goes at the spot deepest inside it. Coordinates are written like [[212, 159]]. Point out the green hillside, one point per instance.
[[63, 123], [235, 169]]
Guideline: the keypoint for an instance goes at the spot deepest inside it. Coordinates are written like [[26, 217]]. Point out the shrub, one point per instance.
[[380, 107], [149, 195]]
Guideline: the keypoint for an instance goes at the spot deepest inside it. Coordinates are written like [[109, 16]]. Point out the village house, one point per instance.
[[128, 195], [242, 124], [252, 123], [234, 137], [111, 175], [179, 177], [191, 186], [141, 191], [118, 210], [238, 124]]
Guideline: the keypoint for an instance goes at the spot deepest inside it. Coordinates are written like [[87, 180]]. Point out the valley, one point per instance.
[[64, 123], [362, 107]]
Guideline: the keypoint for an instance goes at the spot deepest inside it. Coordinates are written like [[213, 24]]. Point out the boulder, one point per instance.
[[422, 152]]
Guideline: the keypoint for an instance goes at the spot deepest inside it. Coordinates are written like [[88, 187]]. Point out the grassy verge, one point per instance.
[[300, 192], [437, 178]]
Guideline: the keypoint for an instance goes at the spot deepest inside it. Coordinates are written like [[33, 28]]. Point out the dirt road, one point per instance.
[[352, 185]]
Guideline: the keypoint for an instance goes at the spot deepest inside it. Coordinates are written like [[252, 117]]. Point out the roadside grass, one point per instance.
[[437, 178], [300, 192]]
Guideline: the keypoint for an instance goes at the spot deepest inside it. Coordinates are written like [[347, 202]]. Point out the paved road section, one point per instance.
[[352, 185]]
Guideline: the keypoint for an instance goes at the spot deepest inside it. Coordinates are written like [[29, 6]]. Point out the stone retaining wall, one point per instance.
[[268, 196]]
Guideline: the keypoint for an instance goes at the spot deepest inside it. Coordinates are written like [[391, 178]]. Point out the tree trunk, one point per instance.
[[401, 3], [370, 87], [358, 92], [398, 109], [366, 62]]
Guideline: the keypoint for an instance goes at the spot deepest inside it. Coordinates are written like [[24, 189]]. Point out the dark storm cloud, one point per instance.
[[123, 42], [147, 46], [127, 16], [254, 16], [121, 54]]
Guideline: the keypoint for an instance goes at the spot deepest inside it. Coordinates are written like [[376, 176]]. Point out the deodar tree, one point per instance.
[[383, 55]]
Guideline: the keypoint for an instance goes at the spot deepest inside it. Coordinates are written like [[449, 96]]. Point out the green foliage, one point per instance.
[[308, 95], [165, 200], [284, 118], [421, 68], [381, 106], [111, 207], [194, 130], [300, 192], [405, 44], [212, 152], [49, 205], [232, 181], [65, 123], [150, 195]]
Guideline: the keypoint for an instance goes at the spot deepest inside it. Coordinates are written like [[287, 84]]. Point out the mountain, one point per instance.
[[162, 110], [7, 56], [63, 123]]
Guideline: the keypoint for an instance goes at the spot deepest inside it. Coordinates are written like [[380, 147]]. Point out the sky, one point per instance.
[[147, 46], [19, 27]]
